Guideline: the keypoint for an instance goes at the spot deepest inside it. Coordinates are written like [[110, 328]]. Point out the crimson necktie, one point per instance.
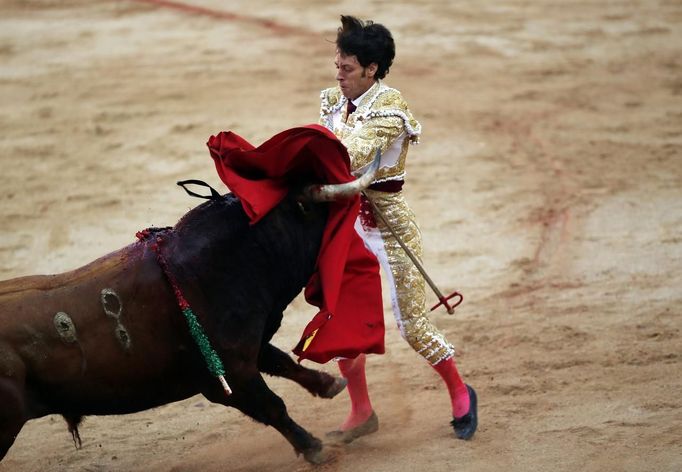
[[350, 108]]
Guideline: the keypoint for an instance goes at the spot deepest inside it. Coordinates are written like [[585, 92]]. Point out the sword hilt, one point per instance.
[[444, 301]]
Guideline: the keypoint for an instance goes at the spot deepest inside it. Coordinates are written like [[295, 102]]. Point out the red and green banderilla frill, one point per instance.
[[213, 362]]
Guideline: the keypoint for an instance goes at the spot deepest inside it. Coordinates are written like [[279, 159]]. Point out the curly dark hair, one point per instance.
[[368, 41]]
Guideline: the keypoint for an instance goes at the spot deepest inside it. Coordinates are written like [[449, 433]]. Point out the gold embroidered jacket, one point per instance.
[[382, 120]]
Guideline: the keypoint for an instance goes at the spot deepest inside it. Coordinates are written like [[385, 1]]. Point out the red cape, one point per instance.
[[346, 286]]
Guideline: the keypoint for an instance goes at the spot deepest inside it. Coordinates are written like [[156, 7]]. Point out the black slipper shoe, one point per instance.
[[465, 427]]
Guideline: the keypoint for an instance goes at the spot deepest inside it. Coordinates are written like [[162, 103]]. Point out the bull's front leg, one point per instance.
[[253, 397], [273, 361]]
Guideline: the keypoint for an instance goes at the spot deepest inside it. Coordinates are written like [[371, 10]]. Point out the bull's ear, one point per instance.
[[214, 193], [332, 192]]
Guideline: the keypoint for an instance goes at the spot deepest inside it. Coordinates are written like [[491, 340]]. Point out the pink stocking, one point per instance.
[[459, 396], [353, 370]]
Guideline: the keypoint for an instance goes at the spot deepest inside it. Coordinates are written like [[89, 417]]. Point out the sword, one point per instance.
[[443, 300]]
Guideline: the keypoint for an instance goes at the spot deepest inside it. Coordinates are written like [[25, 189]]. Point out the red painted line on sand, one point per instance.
[[271, 25]]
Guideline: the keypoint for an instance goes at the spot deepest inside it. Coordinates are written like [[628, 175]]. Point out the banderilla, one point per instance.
[[442, 299]]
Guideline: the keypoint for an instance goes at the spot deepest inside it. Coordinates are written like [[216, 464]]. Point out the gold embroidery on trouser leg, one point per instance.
[[409, 287]]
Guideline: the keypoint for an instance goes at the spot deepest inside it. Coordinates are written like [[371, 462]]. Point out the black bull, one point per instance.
[[109, 338]]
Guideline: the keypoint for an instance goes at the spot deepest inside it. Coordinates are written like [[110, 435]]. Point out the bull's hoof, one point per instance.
[[335, 388], [317, 456]]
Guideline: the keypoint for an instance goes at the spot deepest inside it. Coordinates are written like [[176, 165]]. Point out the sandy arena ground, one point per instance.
[[548, 185]]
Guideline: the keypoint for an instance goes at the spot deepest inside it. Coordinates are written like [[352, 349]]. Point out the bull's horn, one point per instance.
[[332, 192]]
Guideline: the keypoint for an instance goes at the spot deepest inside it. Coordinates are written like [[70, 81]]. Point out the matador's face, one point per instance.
[[354, 80]]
